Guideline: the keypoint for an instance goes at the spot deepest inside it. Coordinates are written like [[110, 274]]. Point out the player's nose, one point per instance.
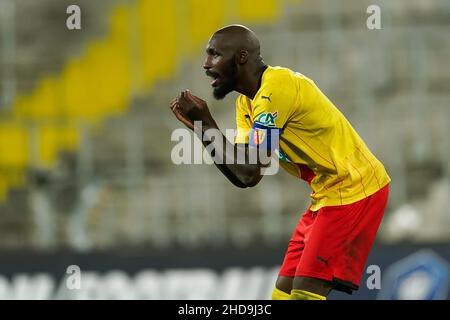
[[207, 64]]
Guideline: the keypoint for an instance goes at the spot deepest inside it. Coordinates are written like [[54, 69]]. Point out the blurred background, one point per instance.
[[86, 176]]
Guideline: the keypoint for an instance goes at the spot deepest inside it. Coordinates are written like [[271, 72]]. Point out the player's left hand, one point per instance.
[[193, 109]]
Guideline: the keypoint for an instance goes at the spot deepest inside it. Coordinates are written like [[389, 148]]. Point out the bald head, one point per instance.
[[238, 37]]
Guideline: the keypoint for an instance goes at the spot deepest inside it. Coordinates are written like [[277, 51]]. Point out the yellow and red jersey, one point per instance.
[[316, 142]]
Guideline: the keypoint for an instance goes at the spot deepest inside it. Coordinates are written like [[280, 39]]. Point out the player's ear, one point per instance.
[[242, 57]]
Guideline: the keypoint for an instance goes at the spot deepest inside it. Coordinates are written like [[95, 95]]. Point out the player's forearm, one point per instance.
[[233, 163], [231, 176], [247, 174]]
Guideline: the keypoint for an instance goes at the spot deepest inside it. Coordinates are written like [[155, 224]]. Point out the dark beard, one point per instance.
[[226, 87]]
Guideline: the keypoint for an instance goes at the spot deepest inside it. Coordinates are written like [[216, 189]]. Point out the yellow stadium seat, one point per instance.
[[52, 139], [14, 145], [258, 10], [203, 25]]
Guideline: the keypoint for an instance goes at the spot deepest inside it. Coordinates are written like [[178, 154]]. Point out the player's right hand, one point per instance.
[[174, 106]]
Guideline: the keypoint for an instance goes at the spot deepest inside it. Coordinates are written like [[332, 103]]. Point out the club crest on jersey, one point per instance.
[[267, 118], [259, 135]]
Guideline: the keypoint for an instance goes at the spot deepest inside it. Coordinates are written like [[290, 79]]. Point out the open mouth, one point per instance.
[[216, 79], [215, 82]]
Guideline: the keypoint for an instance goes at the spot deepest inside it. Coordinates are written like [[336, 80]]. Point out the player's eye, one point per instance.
[[212, 52]]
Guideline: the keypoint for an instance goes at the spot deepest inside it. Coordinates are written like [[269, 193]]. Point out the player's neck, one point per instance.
[[251, 81]]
